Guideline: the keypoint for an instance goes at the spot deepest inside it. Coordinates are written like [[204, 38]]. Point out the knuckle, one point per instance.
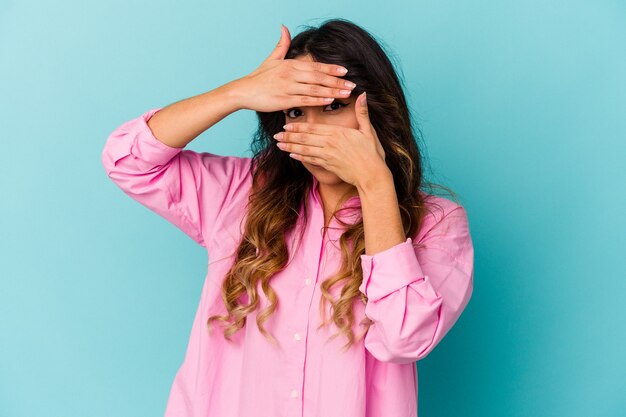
[[319, 77], [314, 90], [291, 71]]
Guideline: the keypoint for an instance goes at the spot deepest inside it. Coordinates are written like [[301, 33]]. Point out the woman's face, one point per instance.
[[340, 112]]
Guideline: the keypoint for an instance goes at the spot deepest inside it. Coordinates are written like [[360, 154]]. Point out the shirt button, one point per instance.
[[294, 393], [297, 336], [307, 281]]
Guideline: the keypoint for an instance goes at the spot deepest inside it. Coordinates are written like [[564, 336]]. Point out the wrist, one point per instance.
[[234, 94], [375, 181]]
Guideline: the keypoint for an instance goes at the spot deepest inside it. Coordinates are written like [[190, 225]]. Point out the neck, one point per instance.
[[333, 196]]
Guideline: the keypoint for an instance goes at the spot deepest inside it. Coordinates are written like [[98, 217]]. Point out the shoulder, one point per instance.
[[441, 211]]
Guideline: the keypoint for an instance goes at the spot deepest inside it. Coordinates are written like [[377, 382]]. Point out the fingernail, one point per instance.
[[350, 84], [342, 70], [364, 100]]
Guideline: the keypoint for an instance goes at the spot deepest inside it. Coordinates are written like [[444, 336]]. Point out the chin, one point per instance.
[[325, 176]]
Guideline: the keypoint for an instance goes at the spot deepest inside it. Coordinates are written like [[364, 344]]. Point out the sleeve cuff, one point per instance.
[[146, 146], [143, 144], [389, 270]]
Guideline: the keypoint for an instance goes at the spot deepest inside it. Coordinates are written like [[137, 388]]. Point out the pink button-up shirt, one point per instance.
[[415, 295]]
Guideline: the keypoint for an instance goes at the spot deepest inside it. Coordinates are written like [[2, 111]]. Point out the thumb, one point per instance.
[[281, 48], [362, 113]]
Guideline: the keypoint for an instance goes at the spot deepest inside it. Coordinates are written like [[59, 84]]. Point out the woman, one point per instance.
[[325, 232]]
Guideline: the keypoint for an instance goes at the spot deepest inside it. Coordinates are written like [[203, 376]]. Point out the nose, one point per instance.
[[313, 114]]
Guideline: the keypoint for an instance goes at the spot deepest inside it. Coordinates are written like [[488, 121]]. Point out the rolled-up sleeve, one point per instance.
[[417, 290], [187, 188]]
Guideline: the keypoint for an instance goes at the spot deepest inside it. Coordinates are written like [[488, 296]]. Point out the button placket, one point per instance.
[[299, 322]]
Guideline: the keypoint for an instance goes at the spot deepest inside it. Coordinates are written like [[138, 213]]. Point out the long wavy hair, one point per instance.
[[281, 184]]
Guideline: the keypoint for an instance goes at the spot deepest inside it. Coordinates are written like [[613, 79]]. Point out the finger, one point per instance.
[[309, 139], [323, 79], [322, 129], [331, 69], [316, 90], [304, 150], [305, 101], [282, 47], [362, 113], [315, 161]]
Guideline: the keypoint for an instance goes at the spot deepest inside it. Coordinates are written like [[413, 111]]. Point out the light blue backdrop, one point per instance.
[[522, 107]]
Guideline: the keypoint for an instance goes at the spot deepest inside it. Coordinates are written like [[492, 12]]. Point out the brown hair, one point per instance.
[[280, 184]]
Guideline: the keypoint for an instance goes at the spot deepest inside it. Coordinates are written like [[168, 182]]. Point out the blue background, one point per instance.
[[522, 107]]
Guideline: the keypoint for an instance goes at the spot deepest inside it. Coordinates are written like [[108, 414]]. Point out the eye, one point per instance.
[[336, 104], [288, 113]]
